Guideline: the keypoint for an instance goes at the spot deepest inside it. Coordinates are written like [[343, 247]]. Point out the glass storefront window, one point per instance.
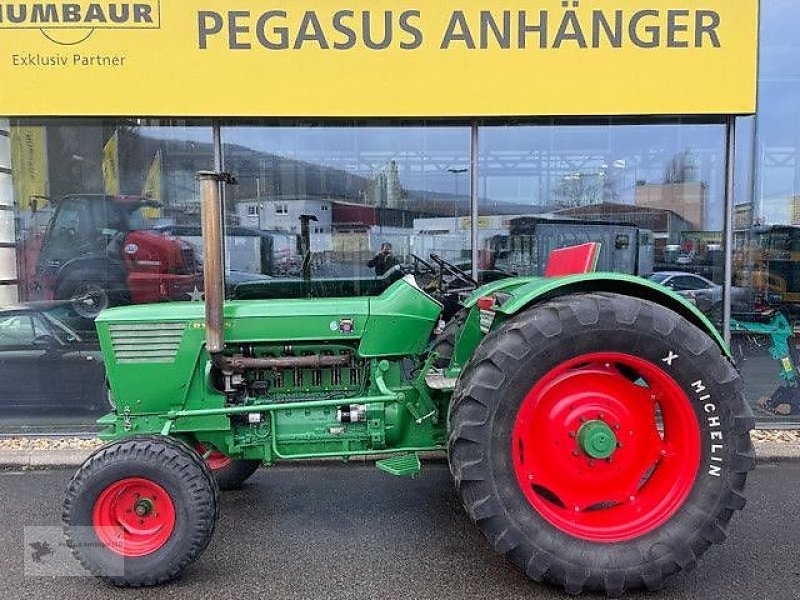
[[99, 213], [340, 210], [651, 194], [93, 207], [767, 226]]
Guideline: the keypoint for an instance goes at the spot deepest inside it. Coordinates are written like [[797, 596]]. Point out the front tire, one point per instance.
[[140, 510], [600, 442]]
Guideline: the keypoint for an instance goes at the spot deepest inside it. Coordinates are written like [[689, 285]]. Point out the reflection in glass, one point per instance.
[[766, 261], [50, 371], [342, 210], [652, 195], [95, 207]]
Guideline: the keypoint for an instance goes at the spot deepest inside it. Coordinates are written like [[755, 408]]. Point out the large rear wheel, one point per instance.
[[140, 510], [600, 442]]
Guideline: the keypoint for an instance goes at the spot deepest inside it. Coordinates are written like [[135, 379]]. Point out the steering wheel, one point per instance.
[[426, 274], [426, 269], [456, 275]]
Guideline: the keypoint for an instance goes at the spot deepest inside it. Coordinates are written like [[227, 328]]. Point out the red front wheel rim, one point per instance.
[[134, 517], [606, 447]]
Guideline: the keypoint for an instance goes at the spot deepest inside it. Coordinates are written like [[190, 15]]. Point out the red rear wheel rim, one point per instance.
[[216, 460], [648, 475], [134, 517]]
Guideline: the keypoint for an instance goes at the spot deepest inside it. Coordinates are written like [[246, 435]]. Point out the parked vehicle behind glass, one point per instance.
[[45, 364]]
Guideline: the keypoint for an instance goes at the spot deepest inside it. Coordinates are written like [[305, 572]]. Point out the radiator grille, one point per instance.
[[146, 342]]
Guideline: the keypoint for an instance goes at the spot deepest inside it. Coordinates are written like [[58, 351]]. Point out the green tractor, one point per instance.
[[594, 424]]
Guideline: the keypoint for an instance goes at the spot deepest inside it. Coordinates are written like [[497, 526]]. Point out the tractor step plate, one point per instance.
[[437, 380], [406, 465]]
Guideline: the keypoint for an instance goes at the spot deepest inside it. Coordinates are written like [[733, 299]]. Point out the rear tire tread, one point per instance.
[[469, 462]]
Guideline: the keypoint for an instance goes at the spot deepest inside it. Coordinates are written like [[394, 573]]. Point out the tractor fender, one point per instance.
[[525, 292]]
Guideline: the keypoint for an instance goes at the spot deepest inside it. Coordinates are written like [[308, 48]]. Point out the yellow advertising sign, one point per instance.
[[485, 222], [152, 188], [29, 157], [152, 184], [364, 58], [110, 165]]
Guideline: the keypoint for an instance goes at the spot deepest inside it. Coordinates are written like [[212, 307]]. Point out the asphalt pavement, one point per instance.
[[350, 531]]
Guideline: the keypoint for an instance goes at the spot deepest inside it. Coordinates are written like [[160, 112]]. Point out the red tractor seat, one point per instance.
[[572, 260]]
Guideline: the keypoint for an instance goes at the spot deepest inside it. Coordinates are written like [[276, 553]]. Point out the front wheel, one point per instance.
[[600, 442], [140, 510]]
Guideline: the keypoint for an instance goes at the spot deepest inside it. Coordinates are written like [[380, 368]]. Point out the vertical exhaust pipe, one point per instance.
[[213, 263]]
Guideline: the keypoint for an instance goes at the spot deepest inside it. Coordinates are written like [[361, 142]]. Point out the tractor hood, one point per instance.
[[252, 321], [399, 321]]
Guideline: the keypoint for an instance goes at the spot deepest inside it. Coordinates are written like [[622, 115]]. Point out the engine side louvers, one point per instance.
[[146, 342]]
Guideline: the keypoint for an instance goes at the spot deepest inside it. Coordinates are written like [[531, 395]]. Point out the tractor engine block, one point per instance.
[[299, 374], [290, 372]]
